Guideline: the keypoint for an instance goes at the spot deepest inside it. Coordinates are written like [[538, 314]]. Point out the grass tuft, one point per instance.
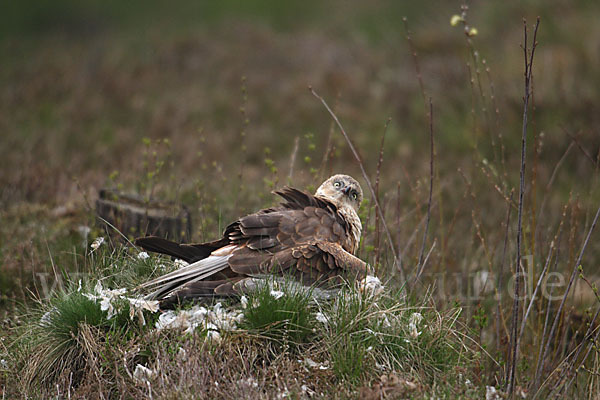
[[279, 311]]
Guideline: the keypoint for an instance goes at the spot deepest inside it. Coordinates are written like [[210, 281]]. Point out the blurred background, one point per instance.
[[206, 104]]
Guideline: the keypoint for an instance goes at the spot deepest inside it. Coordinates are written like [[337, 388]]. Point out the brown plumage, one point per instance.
[[310, 237]]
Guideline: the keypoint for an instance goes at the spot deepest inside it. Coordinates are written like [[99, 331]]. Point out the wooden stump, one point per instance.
[[133, 216]]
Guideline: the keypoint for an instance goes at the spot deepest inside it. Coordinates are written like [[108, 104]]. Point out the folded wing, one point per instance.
[[305, 237]]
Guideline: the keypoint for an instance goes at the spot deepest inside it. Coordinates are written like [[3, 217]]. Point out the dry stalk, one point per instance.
[[431, 173], [377, 221], [513, 357], [415, 58], [366, 178], [501, 273]]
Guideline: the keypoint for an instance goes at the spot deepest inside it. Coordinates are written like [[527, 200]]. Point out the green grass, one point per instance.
[[57, 335], [368, 333], [84, 85], [351, 338], [285, 319]]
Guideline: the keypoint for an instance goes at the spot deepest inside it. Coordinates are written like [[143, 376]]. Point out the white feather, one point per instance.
[[167, 284]]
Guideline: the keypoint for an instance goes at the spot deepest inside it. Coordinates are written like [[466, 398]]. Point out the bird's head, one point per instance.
[[342, 190]]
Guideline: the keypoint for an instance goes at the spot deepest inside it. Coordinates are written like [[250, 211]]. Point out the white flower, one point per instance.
[[106, 305], [47, 318], [413, 321], [4, 363], [321, 318], [277, 294], [313, 364], [215, 320], [97, 243], [415, 318], [142, 255], [166, 320], [251, 382], [149, 305], [106, 297], [180, 263], [213, 336], [491, 393], [137, 307], [244, 302], [98, 288], [182, 354], [386, 322], [142, 373], [371, 284]]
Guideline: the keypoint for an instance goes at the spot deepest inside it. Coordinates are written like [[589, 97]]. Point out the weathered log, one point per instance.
[[135, 216]]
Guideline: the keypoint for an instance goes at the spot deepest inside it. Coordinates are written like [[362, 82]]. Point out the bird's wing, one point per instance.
[[298, 199], [305, 241], [324, 264], [300, 219], [305, 237], [318, 262]]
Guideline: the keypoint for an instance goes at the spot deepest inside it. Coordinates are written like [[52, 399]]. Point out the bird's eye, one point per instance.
[[337, 184], [354, 196]]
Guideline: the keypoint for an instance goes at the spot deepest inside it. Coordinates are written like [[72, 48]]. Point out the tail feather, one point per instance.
[[167, 284], [189, 253]]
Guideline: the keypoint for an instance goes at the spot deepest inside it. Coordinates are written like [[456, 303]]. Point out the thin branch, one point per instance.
[[365, 176], [431, 173], [583, 150], [377, 175], [514, 334], [415, 58], [501, 273]]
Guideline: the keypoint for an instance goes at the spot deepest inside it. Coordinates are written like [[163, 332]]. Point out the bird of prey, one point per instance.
[[311, 238]]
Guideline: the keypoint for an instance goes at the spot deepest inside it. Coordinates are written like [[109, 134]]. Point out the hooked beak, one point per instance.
[[346, 189]]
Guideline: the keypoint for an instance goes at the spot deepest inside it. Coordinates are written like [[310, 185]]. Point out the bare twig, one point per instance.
[[379, 163], [415, 58], [583, 150], [431, 173], [528, 57], [427, 256], [501, 272], [551, 180], [365, 176]]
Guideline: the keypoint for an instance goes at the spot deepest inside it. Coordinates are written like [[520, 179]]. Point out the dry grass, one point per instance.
[[229, 95]]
